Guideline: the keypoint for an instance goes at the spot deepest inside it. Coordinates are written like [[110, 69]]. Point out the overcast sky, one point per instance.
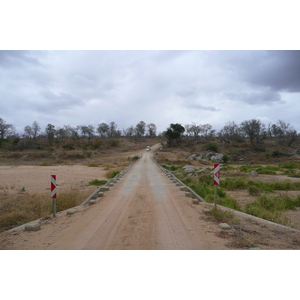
[[160, 87]]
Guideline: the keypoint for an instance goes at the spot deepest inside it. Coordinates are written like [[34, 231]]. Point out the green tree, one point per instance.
[[50, 132], [174, 133]]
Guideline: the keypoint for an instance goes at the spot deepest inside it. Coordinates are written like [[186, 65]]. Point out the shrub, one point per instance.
[[210, 147], [93, 165], [112, 173], [275, 153], [254, 190], [46, 163], [222, 216], [136, 157], [113, 142], [225, 158], [289, 165], [96, 144], [69, 146], [235, 183], [267, 155], [97, 182], [229, 202]]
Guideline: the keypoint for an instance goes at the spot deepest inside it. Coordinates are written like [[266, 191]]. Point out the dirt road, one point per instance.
[[144, 210]]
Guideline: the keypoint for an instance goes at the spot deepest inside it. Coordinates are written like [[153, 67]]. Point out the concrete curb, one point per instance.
[[179, 182], [110, 183]]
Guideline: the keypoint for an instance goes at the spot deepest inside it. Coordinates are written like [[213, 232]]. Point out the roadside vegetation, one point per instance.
[[26, 207], [271, 199]]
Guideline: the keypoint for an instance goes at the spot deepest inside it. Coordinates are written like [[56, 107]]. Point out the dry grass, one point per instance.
[[26, 207]]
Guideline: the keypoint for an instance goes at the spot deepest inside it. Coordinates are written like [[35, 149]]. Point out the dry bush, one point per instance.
[[109, 166], [93, 165], [112, 173]]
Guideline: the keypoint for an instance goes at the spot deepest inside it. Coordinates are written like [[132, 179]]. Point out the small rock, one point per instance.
[[195, 201], [253, 173], [33, 226], [224, 226], [188, 169]]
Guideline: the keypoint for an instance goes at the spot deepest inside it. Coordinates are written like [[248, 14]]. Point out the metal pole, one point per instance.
[[54, 207], [215, 196]]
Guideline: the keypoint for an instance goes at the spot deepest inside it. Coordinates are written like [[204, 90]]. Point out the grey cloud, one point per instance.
[[280, 70], [255, 97], [202, 107], [56, 102], [17, 59], [277, 70]]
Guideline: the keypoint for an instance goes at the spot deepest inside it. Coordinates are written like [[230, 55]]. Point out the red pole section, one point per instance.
[[53, 186], [216, 174]]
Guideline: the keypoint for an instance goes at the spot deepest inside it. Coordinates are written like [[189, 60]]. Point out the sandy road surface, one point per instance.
[[144, 210]]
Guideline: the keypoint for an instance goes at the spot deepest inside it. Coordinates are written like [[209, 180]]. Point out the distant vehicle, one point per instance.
[[148, 148]]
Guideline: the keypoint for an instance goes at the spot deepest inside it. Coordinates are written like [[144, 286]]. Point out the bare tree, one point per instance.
[[254, 129], [113, 129], [28, 132], [140, 128], [195, 130], [230, 132], [35, 129], [103, 129], [129, 132], [288, 134], [207, 131], [6, 129], [151, 129]]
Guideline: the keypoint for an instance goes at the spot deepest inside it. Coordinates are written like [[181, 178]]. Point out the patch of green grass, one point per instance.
[[268, 170], [254, 190], [235, 183], [229, 202], [228, 168], [241, 183], [46, 163], [285, 185], [271, 208], [290, 165], [97, 182]]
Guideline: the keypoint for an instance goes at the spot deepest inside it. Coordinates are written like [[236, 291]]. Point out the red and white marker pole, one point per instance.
[[216, 180], [53, 193]]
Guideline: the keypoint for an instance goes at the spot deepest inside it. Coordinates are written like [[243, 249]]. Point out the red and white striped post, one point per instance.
[[53, 193], [216, 180]]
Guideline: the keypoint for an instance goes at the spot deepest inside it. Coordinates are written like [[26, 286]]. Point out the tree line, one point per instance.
[[254, 130], [103, 130]]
